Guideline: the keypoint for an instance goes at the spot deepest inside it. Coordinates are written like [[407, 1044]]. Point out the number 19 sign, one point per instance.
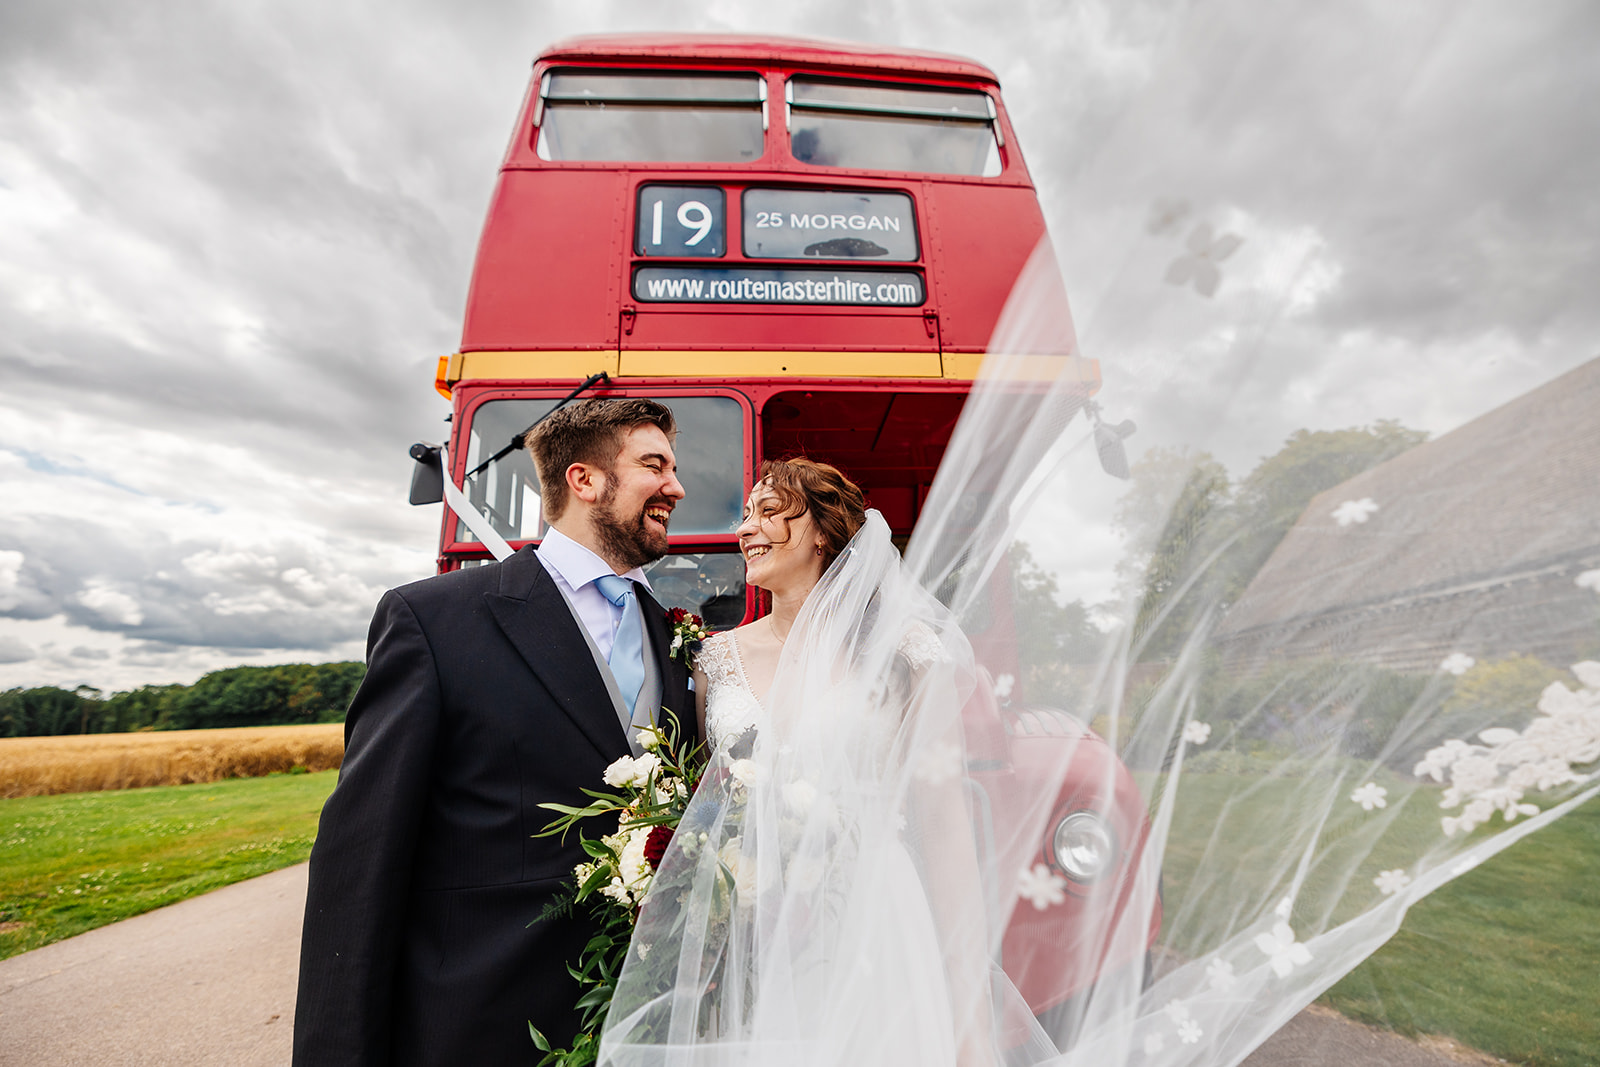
[[681, 220]]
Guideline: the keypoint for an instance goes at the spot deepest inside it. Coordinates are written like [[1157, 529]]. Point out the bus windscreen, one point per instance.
[[710, 466]]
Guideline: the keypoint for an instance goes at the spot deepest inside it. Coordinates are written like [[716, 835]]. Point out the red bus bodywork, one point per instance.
[[875, 390]]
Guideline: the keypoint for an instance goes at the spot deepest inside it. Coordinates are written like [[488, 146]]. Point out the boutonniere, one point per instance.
[[688, 630]]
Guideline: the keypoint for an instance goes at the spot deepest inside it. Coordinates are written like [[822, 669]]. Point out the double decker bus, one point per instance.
[[800, 248]]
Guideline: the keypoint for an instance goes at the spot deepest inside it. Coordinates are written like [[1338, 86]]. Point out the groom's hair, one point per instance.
[[588, 432]]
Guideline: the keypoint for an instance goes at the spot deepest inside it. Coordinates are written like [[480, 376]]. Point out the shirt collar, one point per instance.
[[576, 564]]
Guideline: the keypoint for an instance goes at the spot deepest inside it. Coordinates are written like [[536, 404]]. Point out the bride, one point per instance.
[[821, 903]]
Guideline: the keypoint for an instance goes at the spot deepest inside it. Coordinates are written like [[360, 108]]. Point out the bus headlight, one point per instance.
[[1083, 846]]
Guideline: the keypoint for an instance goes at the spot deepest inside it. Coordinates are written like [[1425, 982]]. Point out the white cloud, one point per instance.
[[13, 650], [10, 570], [111, 603]]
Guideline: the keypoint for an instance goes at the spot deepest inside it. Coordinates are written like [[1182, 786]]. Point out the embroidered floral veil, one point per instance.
[[980, 825]]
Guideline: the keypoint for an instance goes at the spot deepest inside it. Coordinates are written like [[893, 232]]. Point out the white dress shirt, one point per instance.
[[575, 569]]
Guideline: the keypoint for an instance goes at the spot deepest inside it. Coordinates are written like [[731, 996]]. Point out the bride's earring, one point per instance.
[[819, 549]]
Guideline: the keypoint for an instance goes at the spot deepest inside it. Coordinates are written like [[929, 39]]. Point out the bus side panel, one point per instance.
[[981, 236], [548, 262]]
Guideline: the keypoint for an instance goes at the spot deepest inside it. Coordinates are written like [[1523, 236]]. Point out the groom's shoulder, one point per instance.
[[470, 582]]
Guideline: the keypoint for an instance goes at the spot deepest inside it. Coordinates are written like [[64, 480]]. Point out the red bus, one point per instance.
[[800, 247]]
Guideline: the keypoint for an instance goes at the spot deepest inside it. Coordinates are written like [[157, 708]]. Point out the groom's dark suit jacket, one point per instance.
[[481, 701]]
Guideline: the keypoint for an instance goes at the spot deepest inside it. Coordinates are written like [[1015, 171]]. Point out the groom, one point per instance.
[[489, 691]]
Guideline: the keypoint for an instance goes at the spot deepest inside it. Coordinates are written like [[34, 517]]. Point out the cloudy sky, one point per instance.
[[235, 237]]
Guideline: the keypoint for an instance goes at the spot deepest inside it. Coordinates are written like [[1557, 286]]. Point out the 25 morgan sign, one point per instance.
[[805, 224]]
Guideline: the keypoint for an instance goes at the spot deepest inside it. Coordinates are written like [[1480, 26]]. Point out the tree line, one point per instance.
[[292, 693], [1205, 537]]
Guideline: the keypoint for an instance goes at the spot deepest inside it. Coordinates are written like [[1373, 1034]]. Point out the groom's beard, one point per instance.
[[629, 541]]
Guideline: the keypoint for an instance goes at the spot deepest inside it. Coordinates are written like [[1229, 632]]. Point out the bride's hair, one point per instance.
[[834, 501]]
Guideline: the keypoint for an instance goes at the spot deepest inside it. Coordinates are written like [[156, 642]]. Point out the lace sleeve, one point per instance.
[[715, 660], [920, 648]]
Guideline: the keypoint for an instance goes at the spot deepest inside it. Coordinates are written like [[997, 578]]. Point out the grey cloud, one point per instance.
[[1446, 154], [322, 171], [152, 587], [13, 650]]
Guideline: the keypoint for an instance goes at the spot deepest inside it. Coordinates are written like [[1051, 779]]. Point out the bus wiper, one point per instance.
[[517, 439]]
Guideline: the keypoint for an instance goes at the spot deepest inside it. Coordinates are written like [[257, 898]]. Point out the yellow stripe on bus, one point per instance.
[[636, 363], [965, 367]]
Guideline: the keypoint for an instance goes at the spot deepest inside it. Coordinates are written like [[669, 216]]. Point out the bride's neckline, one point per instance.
[[738, 667]]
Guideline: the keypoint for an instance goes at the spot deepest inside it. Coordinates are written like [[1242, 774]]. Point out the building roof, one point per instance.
[[740, 48], [1474, 544]]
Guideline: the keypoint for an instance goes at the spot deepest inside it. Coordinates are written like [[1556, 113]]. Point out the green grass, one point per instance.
[[1505, 958], [73, 862]]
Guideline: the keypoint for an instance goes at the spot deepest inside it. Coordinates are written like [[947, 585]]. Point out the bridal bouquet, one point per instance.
[[649, 795]]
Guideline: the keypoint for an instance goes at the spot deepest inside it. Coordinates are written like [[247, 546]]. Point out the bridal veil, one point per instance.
[[1328, 687]]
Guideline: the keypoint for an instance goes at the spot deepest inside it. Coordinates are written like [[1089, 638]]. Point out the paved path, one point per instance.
[[207, 981], [212, 981], [1321, 1037]]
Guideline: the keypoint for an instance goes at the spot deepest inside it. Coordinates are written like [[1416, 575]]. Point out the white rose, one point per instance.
[[800, 796], [620, 773], [643, 768], [635, 868]]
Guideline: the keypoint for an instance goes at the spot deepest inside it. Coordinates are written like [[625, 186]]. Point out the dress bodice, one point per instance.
[[732, 709]]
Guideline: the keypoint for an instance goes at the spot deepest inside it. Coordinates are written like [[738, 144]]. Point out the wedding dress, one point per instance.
[[793, 921], [888, 938]]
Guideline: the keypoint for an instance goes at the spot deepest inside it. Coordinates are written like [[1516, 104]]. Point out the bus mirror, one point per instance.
[[427, 478], [1108, 442]]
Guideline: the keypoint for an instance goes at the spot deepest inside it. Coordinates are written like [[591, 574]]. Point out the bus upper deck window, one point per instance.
[[638, 117], [892, 127]]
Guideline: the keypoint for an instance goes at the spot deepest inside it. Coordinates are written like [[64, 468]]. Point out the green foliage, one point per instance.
[[1206, 539], [1303, 706], [1197, 519], [1502, 693], [77, 861], [1312, 709], [1057, 644], [1275, 494], [1308, 705], [43, 710], [285, 695]]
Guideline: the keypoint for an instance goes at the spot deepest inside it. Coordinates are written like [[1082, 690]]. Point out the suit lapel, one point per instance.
[[540, 625]]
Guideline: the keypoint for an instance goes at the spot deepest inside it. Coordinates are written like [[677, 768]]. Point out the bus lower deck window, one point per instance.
[[651, 118]]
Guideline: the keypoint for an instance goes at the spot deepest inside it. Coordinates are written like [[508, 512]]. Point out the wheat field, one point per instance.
[[37, 766]]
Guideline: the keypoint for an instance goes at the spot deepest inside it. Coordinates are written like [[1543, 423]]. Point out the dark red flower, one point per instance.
[[655, 846], [677, 615]]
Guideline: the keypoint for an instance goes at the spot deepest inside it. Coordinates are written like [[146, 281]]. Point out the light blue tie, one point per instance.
[[627, 651]]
